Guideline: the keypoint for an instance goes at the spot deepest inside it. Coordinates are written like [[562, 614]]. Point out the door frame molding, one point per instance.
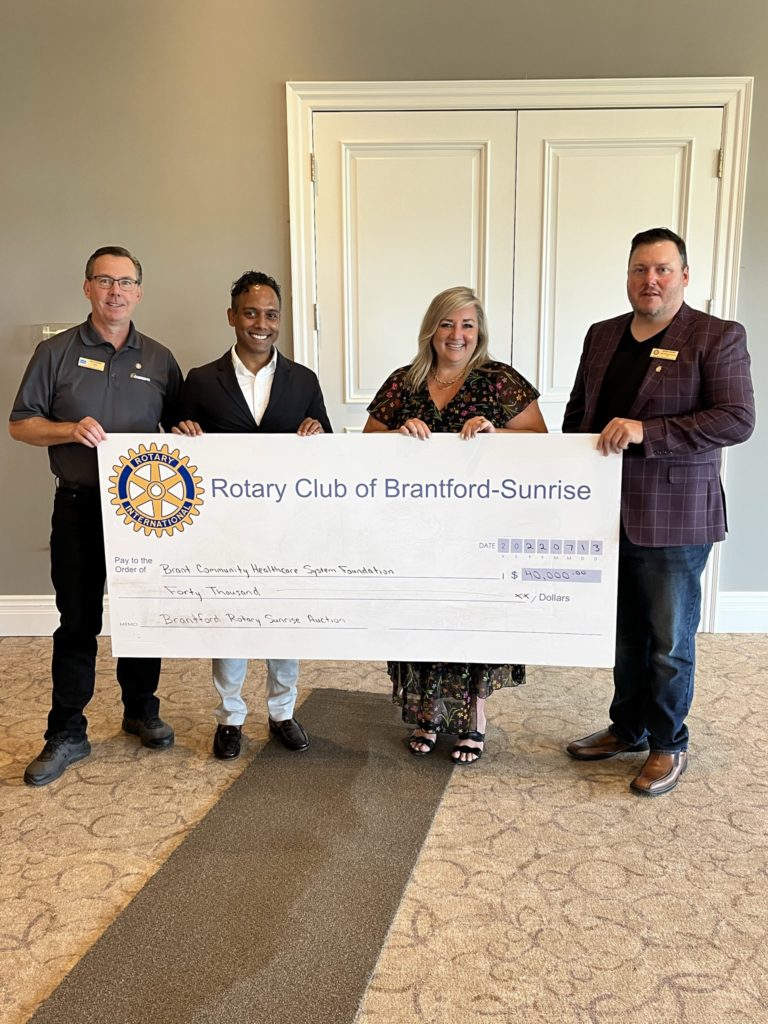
[[732, 94]]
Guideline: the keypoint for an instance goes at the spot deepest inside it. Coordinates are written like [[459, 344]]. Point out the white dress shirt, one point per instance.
[[256, 387]]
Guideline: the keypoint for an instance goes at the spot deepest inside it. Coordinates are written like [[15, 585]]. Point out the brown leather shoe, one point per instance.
[[661, 772], [290, 734], [599, 745]]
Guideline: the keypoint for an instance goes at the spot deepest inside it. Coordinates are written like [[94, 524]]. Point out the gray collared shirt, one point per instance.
[[78, 373]]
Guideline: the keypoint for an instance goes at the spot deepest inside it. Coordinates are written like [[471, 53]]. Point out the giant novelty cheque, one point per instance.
[[367, 547]]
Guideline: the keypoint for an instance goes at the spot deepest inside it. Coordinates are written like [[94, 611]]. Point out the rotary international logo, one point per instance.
[[156, 490]]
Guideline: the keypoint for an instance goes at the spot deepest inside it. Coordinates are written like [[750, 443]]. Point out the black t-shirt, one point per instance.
[[624, 376]]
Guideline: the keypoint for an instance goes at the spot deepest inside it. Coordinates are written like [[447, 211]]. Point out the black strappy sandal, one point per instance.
[[423, 740], [477, 737]]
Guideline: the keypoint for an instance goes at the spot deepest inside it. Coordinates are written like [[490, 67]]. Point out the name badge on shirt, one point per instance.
[[90, 364], [663, 353]]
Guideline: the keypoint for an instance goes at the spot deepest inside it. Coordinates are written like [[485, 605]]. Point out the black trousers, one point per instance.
[[78, 572]]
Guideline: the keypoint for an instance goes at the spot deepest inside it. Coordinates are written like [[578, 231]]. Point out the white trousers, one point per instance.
[[282, 687]]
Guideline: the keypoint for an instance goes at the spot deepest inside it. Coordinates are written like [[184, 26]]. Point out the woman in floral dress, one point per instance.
[[453, 386]]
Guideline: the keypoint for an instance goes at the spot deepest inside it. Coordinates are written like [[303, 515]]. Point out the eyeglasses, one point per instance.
[[125, 284]]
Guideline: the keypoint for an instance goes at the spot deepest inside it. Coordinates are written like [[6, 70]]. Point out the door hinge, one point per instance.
[[312, 167], [720, 162], [316, 317]]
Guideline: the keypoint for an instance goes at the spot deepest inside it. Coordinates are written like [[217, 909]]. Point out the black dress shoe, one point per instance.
[[290, 734], [226, 741]]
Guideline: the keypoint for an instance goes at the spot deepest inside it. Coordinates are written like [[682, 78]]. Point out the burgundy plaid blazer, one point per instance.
[[691, 407]]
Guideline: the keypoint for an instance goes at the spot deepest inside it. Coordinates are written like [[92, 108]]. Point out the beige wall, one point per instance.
[[161, 126]]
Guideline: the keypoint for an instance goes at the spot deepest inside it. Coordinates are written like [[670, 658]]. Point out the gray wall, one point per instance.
[[161, 126]]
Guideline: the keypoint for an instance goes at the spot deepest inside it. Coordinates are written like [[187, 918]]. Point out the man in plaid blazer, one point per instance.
[[669, 387]]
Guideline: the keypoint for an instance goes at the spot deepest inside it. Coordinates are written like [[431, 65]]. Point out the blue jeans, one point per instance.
[[659, 606]]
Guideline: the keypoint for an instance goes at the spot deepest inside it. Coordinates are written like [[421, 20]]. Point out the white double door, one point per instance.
[[534, 209]]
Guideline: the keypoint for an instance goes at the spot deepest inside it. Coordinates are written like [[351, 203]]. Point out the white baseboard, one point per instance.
[[742, 611], [35, 615]]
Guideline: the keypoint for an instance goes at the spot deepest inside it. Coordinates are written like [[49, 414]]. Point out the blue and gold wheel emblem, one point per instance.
[[156, 490]]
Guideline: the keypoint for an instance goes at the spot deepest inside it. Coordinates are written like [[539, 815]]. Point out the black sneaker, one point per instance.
[[56, 756], [153, 732]]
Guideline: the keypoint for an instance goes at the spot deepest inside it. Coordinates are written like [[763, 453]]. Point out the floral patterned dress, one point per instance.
[[441, 694]]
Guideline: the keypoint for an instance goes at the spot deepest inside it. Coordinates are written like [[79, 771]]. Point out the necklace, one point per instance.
[[446, 383]]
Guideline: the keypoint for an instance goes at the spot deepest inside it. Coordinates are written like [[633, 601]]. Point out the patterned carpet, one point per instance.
[[545, 891]]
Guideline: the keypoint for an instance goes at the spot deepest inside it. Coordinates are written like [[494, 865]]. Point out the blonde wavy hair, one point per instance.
[[442, 306]]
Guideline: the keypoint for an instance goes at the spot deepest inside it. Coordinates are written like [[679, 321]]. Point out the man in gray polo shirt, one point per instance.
[[100, 376]]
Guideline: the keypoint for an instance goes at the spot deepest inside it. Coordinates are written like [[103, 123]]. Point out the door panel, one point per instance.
[[587, 181], [407, 204]]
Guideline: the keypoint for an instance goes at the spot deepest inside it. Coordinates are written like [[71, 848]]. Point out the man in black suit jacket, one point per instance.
[[253, 389]]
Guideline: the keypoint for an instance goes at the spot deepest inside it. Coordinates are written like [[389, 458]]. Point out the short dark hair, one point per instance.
[[250, 279], [112, 250], [660, 235]]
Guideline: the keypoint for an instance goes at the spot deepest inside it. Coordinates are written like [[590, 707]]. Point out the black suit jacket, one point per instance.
[[212, 396]]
